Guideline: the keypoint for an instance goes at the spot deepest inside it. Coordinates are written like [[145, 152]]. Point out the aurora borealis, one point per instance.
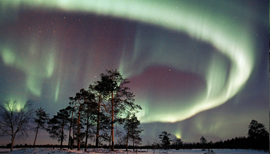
[[197, 68]]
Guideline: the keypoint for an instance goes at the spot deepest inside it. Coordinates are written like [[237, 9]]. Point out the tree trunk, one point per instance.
[[72, 142], [36, 136], [110, 138], [127, 142], [62, 134], [133, 144], [12, 143], [71, 122], [78, 132], [86, 137], [97, 135], [112, 123]]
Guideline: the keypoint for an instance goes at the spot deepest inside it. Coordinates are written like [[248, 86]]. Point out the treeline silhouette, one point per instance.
[[257, 139], [94, 112], [91, 113], [234, 143]]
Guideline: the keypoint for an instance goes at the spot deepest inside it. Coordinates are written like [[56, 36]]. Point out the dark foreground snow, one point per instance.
[[117, 151]]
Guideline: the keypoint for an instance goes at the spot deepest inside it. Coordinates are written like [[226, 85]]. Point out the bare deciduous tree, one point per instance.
[[14, 119]]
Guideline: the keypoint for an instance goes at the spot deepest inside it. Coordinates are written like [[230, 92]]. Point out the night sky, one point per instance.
[[197, 68]]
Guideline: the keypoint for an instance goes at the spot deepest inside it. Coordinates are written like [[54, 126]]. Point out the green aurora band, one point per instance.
[[231, 38]]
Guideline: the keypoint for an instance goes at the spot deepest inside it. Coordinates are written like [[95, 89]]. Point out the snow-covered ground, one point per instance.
[[117, 151]]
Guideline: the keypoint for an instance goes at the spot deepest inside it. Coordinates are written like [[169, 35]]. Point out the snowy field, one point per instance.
[[99, 151]]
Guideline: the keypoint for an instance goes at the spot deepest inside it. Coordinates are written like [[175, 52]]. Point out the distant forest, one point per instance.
[[234, 143]]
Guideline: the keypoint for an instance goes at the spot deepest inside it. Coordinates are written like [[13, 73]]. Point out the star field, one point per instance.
[[193, 66]]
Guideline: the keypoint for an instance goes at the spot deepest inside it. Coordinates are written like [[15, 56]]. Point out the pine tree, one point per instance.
[[165, 139], [72, 121], [132, 129], [41, 119], [258, 136], [80, 98], [58, 124], [120, 99], [178, 143], [257, 130], [89, 111], [98, 89], [203, 142]]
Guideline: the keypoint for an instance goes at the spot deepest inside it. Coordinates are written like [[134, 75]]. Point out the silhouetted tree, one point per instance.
[[105, 127], [203, 142], [70, 109], [73, 109], [258, 135], [132, 129], [14, 119], [57, 124], [110, 82], [41, 119], [121, 101], [85, 107], [257, 130], [98, 89], [78, 100], [79, 133], [177, 143], [89, 111], [165, 139]]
